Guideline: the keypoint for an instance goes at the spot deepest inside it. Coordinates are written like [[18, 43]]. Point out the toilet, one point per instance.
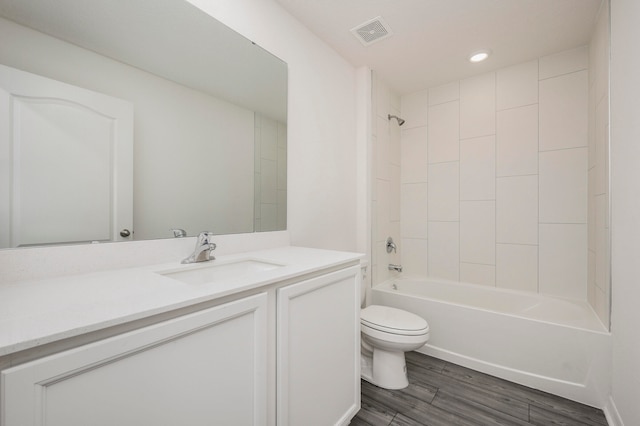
[[387, 333]]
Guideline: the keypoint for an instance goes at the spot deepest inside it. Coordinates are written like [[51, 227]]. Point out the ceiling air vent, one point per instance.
[[371, 31]]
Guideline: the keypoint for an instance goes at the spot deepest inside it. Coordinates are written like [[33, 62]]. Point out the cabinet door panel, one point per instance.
[[319, 350], [201, 369]]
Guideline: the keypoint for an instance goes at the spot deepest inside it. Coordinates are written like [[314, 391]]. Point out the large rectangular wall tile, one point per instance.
[[565, 62], [414, 210], [382, 148], [517, 85], [442, 192], [563, 111], [478, 232], [443, 132], [517, 141], [443, 251], [601, 146], [517, 210], [395, 194], [414, 109], [478, 168], [591, 210], [444, 93], [414, 257], [395, 141], [478, 106], [517, 267], [602, 242], [478, 274], [563, 186], [563, 260], [383, 194], [414, 155]]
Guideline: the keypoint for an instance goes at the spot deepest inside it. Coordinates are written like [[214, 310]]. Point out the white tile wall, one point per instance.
[[444, 93], [478, 168], [414, 109], [443, 250], [517, 267], [414, 256], [517, 85], [563, 186], [499, 196], [517, 141], [414, 210], [414, 155], [383, 200], [478, 106], [563, 111], [270, 179], [601, 148], [387, 170], [563, 260], [395, 193], [443, 132], [478, 274], [442, 192], [564, 62], [517, 210], [382, 148], [478, 232]]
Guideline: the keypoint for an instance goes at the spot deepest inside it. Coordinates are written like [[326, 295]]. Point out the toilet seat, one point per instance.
[[393, 321]]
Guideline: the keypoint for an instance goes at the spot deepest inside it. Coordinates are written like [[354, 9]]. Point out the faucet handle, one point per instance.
[[391, 245], [204, 237]]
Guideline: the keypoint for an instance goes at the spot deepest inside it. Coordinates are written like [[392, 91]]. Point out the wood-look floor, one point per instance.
[[444, 394]]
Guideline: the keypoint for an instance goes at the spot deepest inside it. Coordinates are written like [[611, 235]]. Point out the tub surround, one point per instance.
[[40, 311]]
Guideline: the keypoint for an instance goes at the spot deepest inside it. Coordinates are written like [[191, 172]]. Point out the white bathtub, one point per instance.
[[552, 344]]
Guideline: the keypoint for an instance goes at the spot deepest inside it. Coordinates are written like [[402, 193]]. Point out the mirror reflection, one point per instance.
[[135, 120]]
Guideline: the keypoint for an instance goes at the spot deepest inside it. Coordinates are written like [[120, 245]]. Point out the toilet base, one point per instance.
[[385, 369]]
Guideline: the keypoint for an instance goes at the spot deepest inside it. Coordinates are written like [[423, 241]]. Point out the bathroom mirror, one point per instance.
[[209, 116]]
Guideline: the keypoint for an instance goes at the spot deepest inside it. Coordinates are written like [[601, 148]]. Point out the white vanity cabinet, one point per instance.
[[318, 350], [284, 351], [204, 368]]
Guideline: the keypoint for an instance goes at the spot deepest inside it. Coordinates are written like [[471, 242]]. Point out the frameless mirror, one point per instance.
[[135, 120]]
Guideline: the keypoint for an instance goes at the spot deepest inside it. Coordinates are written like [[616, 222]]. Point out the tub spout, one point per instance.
[[393, 267]]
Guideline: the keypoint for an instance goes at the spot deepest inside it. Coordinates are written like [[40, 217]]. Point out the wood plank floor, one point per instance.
[[445, 394]]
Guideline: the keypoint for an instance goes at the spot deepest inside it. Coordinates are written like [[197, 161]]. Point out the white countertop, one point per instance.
[[36, 312]]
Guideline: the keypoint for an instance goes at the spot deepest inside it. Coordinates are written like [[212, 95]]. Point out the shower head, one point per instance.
[[400, 120]]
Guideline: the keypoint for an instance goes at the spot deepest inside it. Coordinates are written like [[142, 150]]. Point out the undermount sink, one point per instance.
[[212, 272]]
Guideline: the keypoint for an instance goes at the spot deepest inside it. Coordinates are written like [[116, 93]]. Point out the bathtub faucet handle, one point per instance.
[[391, 245]]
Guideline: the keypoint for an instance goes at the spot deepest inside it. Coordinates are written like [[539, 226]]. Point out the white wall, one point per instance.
[[494, 178], [625, 210], [322, 175]]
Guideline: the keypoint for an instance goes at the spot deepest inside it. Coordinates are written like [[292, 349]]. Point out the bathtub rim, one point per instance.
[[385, 286]]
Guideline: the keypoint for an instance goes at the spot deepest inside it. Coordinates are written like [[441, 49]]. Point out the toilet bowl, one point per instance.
[[387, 333]]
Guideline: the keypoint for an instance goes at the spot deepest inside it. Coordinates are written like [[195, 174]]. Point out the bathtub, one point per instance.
[[552, 344]]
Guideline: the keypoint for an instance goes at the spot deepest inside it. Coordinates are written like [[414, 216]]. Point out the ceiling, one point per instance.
[[432, 39]]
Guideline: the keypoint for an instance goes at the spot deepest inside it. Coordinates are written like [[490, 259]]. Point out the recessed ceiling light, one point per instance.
[[479, 56]]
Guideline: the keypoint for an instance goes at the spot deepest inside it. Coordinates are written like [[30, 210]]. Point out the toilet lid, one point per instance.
[[392, 320]]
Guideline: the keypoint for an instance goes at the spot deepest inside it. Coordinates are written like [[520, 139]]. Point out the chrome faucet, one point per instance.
[[393, 267], [204, 247], [391, 246]]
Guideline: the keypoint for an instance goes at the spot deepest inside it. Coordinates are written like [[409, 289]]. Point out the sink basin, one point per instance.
[[209, 273]]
